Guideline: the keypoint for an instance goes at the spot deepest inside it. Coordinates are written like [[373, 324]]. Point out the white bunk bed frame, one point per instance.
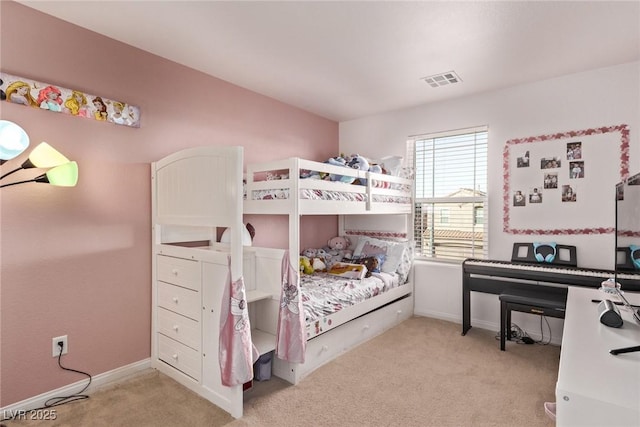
[[350, 326], [197, 190]]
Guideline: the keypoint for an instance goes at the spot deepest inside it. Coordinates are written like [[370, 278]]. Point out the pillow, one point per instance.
[[370, 246], [405, 264]]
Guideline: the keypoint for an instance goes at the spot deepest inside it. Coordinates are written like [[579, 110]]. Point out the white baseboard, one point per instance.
[[97, 382]]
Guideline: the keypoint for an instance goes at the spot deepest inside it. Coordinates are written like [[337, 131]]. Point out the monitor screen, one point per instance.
[[627, 237]]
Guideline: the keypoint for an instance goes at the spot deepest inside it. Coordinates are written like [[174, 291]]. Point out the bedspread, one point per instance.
[[323, 294]]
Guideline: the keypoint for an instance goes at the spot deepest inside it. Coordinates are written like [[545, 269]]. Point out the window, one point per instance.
[[451, 194]]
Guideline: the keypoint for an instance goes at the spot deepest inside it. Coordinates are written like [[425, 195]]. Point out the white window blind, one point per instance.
[[451, 194]]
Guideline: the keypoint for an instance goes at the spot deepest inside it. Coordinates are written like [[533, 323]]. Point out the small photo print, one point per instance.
[[551, 180], [568, 194], [550, 163], [576, 170], [535, 196], [519, 199], [523, 162], [574, 150]]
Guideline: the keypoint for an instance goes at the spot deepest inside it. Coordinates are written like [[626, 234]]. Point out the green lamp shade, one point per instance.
[[44, 156], [13, 140], [65, 175]]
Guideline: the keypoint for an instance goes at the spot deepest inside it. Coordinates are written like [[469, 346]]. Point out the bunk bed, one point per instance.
[[197, 194], [373, 208]]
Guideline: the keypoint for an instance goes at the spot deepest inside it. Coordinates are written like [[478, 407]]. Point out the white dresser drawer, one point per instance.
[[180, 356], [179, 300], [179, 271], [180, 328]]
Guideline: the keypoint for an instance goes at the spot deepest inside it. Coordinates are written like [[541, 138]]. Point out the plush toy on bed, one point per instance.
[[315, 260], [339, 161], [337, 248], [305, 265], [356, 161]]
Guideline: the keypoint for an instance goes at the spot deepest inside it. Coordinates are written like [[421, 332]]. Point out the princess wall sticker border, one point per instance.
[[46, 96]]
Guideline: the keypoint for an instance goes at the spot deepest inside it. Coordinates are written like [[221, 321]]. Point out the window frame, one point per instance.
[[479, 202]]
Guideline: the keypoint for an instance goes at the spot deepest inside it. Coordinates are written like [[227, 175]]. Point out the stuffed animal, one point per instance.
[[305, 265], [310, 253], [338, 246], [318, 265], [339, 243], [358, 162], [339, 161]]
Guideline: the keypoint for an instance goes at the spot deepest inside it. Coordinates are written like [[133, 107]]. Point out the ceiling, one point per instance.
[[348, 59]]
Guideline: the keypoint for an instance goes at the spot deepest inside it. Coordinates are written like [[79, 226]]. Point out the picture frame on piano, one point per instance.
[[566, 255]]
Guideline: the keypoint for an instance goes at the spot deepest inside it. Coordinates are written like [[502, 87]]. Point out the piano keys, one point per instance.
[[495, 277]]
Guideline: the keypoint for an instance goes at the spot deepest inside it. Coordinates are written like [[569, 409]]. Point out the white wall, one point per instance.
[[603, 97]]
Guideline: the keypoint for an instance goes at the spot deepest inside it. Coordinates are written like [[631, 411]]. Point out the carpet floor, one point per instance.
[[419, 373]]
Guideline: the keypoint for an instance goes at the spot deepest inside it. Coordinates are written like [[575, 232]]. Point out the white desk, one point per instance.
[[594, 387]]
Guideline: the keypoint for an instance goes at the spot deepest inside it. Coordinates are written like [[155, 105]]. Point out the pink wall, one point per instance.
[[77, 261]]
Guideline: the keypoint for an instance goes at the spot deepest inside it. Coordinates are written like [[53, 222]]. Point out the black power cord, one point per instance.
[[518, 335], [61, 400]]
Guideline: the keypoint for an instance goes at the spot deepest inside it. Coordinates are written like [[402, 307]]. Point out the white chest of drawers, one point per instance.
[[188, 286]]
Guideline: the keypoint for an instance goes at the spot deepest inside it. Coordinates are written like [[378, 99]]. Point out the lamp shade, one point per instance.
[[44, 156], [13, 140], [65, 175]]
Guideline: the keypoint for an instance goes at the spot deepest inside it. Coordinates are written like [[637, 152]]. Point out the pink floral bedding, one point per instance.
[[323, 294]]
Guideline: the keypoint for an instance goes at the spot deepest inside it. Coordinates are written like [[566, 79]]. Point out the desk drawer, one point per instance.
[[179, 271], [179, 300], [180, 328], [180, 356]]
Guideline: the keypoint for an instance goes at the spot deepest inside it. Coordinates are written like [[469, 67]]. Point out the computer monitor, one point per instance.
[[627, 235]]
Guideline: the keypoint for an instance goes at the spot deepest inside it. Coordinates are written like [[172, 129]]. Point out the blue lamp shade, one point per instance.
[[65, 175], [13, 140]]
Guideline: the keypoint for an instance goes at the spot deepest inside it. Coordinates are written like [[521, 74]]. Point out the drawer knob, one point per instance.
[[175, 356], [399, 312], [175, 299], [365, 327], [325, 348], [175, 271], [175, 328]]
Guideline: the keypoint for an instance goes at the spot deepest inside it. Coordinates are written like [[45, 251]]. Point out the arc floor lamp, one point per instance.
[[14, 141]]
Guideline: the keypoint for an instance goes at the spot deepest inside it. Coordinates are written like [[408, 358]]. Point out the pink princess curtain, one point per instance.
[[290, 340], [237, 354]]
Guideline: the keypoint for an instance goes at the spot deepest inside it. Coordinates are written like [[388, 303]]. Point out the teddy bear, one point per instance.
[[339, 246]]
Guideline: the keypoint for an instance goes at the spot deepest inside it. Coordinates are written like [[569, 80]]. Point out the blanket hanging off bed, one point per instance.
[[290, 340], [237, 353]]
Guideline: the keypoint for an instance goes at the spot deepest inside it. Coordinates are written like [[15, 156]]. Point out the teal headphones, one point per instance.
[[549, 257], [635, 259]]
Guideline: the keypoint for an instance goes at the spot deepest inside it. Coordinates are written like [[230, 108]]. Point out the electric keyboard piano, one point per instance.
[[494, 277]]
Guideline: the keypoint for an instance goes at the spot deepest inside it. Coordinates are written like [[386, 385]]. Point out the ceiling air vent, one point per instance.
[[443, 79]]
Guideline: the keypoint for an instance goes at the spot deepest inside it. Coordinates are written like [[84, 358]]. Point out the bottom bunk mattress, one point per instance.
[[324, 294]]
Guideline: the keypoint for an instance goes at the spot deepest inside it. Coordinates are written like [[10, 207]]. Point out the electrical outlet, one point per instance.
[[55, 349]]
